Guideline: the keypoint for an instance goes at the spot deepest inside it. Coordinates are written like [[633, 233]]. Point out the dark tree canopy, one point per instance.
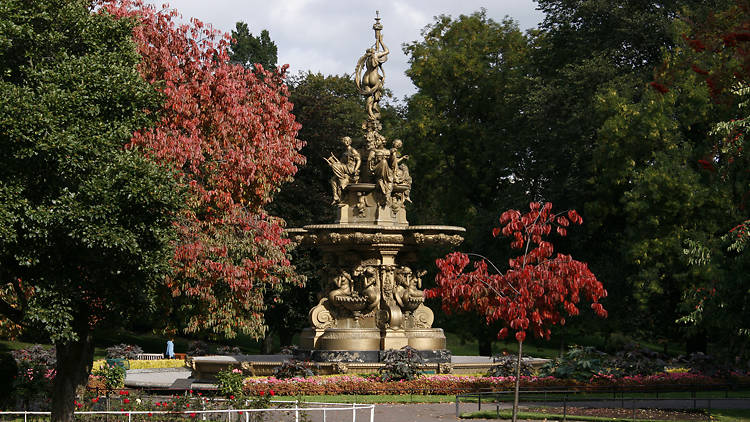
[[247, 49]]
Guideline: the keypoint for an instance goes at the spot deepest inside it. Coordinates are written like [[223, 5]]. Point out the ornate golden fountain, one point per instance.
[[371, 298]]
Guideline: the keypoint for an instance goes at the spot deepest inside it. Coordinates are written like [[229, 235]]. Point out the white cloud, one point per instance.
[[330, 35]]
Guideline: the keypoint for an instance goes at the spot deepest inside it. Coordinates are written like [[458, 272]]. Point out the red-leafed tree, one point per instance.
[[231, 133], [537, 291]]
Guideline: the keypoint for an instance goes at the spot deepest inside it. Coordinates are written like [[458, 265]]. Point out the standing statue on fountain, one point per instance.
[[371, 83]]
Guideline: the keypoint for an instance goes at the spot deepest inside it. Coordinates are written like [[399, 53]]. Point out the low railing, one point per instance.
[[149, 356], [294, 410], [680, 396]]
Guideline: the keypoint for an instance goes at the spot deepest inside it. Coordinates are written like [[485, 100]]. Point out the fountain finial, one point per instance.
[[370, 83]]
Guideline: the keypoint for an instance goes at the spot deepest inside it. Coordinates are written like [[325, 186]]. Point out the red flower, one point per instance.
[[150, 414], [262, 393], [126, 401], [192, 415], [231, 397], [272, 393]]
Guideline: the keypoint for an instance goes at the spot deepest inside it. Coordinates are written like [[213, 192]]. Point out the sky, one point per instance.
[[329, 36]]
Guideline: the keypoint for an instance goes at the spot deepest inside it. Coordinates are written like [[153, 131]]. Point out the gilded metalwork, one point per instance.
[[371, 297]]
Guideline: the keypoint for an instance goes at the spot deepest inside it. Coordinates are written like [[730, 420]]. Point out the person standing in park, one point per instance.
[[170, 349]]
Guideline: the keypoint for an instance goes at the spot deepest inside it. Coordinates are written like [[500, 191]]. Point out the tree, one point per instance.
[[537, 289], [583, 53], [86, 229], [231, 134], [248, 50], [717, 302], [465, 132]]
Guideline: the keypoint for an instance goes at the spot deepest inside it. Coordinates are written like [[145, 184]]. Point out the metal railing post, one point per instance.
[[354, 412], [372, 413], [457, 415]]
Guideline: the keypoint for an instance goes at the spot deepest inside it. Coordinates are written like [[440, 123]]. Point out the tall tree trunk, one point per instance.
[[286, 336], [518, 381], [267, 344], [74, 360], [485, 345]]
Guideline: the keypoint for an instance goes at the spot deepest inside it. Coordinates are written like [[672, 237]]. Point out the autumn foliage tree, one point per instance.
[[535, 292], [230, 132]]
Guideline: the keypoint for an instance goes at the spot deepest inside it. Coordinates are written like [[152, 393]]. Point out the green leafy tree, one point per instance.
[[249, 50], [464, 132], [584, 52], [718, 302], [87, 229]]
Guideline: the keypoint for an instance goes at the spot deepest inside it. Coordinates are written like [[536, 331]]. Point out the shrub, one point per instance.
[[700, 363], [123, 351], [113, 376], [229, 382], [400, 364], [197, 348], [506, 366], [578, 363], [35, 373], [290, 350], [294, 368], [227, 350], [635, 360]]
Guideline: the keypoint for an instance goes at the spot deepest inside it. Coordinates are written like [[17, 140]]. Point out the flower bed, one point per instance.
[[454, 384], [147, 364]]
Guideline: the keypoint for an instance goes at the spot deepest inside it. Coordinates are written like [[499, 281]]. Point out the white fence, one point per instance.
[[316, 408], [149, 356]]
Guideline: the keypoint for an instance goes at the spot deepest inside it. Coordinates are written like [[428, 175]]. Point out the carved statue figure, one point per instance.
[[407, 293], [343, 283], [382, 173], [370, 84], [346, 170], [369, 288]]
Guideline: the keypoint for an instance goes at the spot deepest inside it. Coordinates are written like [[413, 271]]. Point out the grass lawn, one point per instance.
[[718, 415], [508, 396], [507, 414]]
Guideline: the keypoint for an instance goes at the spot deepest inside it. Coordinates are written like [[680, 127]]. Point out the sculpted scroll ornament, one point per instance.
[[320, 316]]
